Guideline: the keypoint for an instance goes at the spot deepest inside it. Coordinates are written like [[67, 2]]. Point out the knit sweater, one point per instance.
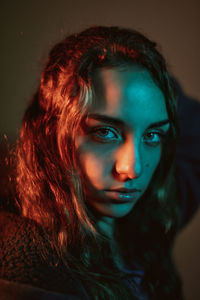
[[30, 266], [27, 257]]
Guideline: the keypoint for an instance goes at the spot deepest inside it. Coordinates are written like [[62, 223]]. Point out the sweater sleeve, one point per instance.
[[24, 249], [14, 291], [26, 257]]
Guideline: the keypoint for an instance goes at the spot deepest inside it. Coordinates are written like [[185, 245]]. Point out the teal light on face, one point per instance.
[[122, 141]]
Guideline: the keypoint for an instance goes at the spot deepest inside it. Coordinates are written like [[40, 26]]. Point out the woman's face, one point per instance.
[[119, 143]]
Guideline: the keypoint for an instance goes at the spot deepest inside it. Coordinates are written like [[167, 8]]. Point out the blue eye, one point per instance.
[[104, 134], [153, 138]]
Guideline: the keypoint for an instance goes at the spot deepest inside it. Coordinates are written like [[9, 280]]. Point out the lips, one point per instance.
[[124, 190], [122, 195]]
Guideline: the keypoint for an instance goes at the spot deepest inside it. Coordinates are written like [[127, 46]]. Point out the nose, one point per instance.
[[128, 163]]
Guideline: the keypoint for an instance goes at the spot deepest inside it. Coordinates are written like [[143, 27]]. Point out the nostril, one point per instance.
[[124, 174]]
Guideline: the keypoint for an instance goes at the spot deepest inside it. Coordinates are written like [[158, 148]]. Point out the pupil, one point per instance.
[[104, 131]]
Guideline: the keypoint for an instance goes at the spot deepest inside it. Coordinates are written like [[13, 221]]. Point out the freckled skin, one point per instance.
[[125, 160]]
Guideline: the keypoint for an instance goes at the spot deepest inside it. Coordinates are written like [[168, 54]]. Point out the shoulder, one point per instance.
[[15, 223], [15, 291], [23, 244], [27, 257], [22, 234]]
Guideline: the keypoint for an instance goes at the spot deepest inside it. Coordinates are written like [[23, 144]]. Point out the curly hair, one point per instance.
[[49, 188]]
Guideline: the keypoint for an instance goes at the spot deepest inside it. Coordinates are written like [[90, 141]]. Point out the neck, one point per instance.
[[106, 226]]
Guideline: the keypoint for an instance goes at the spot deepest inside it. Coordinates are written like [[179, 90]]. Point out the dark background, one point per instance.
[[28, 29]]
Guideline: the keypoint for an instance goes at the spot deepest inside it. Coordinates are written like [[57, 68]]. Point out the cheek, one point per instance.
[[93, 168], [151, 162]]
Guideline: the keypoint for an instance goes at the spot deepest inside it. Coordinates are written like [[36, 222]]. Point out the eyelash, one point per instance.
[[161, 135], [94, 133]]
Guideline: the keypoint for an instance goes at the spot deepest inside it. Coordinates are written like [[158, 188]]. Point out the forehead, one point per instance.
[[129, 94]]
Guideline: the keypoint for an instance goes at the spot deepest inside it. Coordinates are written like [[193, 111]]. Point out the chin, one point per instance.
[[113, 210]]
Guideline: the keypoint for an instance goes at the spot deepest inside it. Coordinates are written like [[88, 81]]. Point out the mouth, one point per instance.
[[123, 195]]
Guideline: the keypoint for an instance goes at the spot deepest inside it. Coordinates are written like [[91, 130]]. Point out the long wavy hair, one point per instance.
[[48, 184]]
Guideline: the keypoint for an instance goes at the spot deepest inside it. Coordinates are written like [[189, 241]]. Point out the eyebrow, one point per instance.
[[120, 123]]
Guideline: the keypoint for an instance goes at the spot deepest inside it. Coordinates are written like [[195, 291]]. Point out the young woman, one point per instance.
[[94, 173]]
